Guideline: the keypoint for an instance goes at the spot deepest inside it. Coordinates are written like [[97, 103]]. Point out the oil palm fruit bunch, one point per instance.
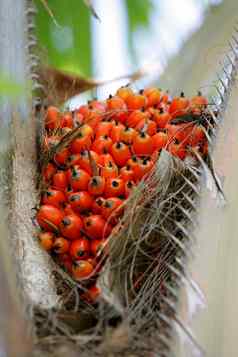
[[96, 156]]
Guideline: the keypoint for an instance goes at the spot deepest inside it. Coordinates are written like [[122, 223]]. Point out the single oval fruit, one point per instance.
[[61, 245], [179, 106], [49, 171], [96, 185], [80, 201], [111, 207], [46, 240], [61, 157], [79, 249], [82, 269], [136, 101], [142, 144], [52, 118], [120, 153], [78, 178], [97, 247], [70, 226], [114, 187], [49, 217], [53, 197], [60, 180], [95, 226]]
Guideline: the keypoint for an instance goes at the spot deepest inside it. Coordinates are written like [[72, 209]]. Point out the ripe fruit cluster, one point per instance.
[[111, 145]]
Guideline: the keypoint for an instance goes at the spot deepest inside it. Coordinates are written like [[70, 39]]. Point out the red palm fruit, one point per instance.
[[114, 187], [144, 167], [177, 150], [60, 180], [71, 226], [83, 160], [155, 155], [153, 96], [179, 106], [80, 201], [165, 97], [83, 110], [110, 170], [127, 135], [48, 171], [79, 249], [133, 162], [96, 185], [78, 178], [116, 131], [120, 153], [98, 106], [93, 293], [103, 128], [129, 186], [93, 119], [142, 144], [86, 130], [102, 145], [118, 106], [97, 246], [198, 103], [162, 118], [126, 173], [49, 217], [159, 140], [61, 245], [124, 93], [197, 135], [68, 210], [46, 240], [105, 159], [78, 119], [136, 101], [135, 117], [74, 160], [67, 121], [111, 207], [82, 269], [52, 118], [98, 205], [83, 140], [61, 157], [179, 132], [54, 198], [148, 126], [95, 226]]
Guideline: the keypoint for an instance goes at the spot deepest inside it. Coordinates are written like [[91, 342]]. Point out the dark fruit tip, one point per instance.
[[66, 221], [115, 183]]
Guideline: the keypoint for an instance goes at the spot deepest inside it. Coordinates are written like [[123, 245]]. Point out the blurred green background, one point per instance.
[[179, 42]]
